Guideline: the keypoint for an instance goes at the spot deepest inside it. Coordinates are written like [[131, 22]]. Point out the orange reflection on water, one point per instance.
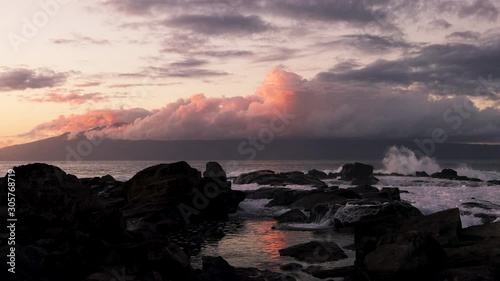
[[270, 241]]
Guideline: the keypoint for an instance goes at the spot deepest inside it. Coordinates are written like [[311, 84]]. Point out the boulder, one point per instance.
[[446, 174], [214, 170], [266, 177], [288, 197], [358, 172], [471, 273], [315, 252], [266, 192], [444, 226], [405, 256], [292, 216], [422, 174], [317, 174], [162, 181], [107, 179]]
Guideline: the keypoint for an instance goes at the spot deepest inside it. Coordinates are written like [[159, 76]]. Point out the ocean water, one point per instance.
[[255, 243]]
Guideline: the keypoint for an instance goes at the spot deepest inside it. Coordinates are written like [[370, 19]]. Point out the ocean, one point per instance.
[[252, 241]]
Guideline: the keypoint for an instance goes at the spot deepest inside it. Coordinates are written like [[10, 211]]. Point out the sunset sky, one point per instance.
[[217, 69]]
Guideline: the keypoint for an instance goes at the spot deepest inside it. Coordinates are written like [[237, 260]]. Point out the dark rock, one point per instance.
[[321, 273], [315, 252], [291, 267], [266, 177], [479, 232], [292, 216], [216, 268], [391, 193], [444, 226], [288, 197], [494, 182], [356, 213], [317, 174], [446, 174], [406, 256], [474, 253], [422, 174], [481, 204], [266, 192], [107, 179], [214, 170], [358, 172], [318, 212], [471, 273], [365, 181]]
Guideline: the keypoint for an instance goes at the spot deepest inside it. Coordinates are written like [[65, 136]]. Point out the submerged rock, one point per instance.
[[315, 252]]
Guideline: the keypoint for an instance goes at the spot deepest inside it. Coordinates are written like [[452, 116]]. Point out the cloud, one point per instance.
[[319, 109], [22, 79], [440, 23], [218, 25], [464, 35], [480, 8], [152, 72], [72, 98], [79, 40], [443, 69], [367, 43], [88, 84]]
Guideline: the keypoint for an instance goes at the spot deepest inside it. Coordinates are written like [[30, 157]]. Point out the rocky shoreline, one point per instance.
[[98, 228]]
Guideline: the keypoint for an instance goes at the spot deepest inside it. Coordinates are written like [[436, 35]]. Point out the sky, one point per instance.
[[226, 69]]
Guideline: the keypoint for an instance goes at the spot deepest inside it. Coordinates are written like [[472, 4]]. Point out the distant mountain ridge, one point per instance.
[[60, 149]]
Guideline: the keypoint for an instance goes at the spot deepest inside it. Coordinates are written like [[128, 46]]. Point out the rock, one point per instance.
[[481, 204], [471, 273], [446, 174], [291, 267], [406, 256], [315, 252], [317, 174], [321, 273], [266, 192], [486, 218], [475, 253], [359, 212], [160, 182], [444, 226], [479, 232], [50, 199], [214, 170], [266, 177], [391, 193], [107, 179], [216, 268], [358, 173], [292, 216], [494, 182], [288, 197], [318, 212], [422, 174]]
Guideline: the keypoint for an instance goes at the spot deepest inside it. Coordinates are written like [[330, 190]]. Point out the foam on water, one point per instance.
[[404, 161]]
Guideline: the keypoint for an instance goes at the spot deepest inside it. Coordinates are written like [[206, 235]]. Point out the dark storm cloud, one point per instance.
[[440, 23], [480, 8], [446, 69], [367, 43], [218, 25], [22, 79], [464, 35]]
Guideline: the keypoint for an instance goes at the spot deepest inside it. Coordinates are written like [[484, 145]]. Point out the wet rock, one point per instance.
[[321, 273], [422, 174], [292, 216], [266, 192], [358, 173], [214, 170], [107, 179], [444, 226], [446, 174], [406, 256], [479, 232], [494, 182], [471, 273], [481, 204], [315, 252], [288, 197], [266, 177], [317, 174], [291, 267]]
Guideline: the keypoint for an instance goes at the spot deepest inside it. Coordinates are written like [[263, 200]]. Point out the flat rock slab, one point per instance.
[[315, 252]]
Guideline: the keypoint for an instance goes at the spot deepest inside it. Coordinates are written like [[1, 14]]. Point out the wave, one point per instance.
[[403, 160]]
